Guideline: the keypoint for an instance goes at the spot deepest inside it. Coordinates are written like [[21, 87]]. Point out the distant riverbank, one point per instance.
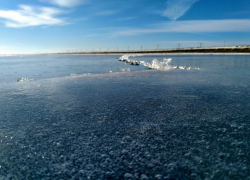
[[200, 50], [230, 49]]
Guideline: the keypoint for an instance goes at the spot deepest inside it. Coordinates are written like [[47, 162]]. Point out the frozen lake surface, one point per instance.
[[94, 117]]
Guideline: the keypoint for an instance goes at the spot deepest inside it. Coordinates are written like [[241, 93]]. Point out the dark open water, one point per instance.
[[137, 124]]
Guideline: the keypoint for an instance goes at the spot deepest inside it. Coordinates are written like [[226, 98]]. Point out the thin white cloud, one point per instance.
[[200, 26], [31, 16], [177, 8], [65, 3]]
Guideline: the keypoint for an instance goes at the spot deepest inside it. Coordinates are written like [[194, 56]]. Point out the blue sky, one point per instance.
[[40, 26]]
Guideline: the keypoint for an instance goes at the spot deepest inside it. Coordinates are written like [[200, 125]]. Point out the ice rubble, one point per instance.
[[24, 79], [163, 65]]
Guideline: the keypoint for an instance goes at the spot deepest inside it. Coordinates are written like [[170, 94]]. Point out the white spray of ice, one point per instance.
[[127, 60], [163, 65]]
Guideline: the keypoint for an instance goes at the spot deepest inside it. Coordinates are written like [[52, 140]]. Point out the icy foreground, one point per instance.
[[129, 125]]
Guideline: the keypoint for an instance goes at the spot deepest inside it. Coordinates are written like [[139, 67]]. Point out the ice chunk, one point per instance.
[[24, 79]]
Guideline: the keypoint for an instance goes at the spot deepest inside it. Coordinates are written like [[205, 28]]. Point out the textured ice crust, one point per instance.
[[115, 128], [129, 125], [163, 65]]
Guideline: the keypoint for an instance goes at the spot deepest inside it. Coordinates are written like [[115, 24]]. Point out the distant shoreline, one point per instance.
[[204, 50], [213, 50]]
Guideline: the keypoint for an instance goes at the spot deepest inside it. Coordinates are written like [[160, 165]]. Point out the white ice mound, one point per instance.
[[163, 65], [24, 79], [127, 60]]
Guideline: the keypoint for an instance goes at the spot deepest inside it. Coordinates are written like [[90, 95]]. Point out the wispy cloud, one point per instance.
[[31, 16], [105, 13], [206, 26], [177, 8], [65, 3]]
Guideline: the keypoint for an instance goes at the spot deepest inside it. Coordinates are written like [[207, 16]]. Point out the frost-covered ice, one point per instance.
[[80, 75], [125, 69], [137, 124]]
